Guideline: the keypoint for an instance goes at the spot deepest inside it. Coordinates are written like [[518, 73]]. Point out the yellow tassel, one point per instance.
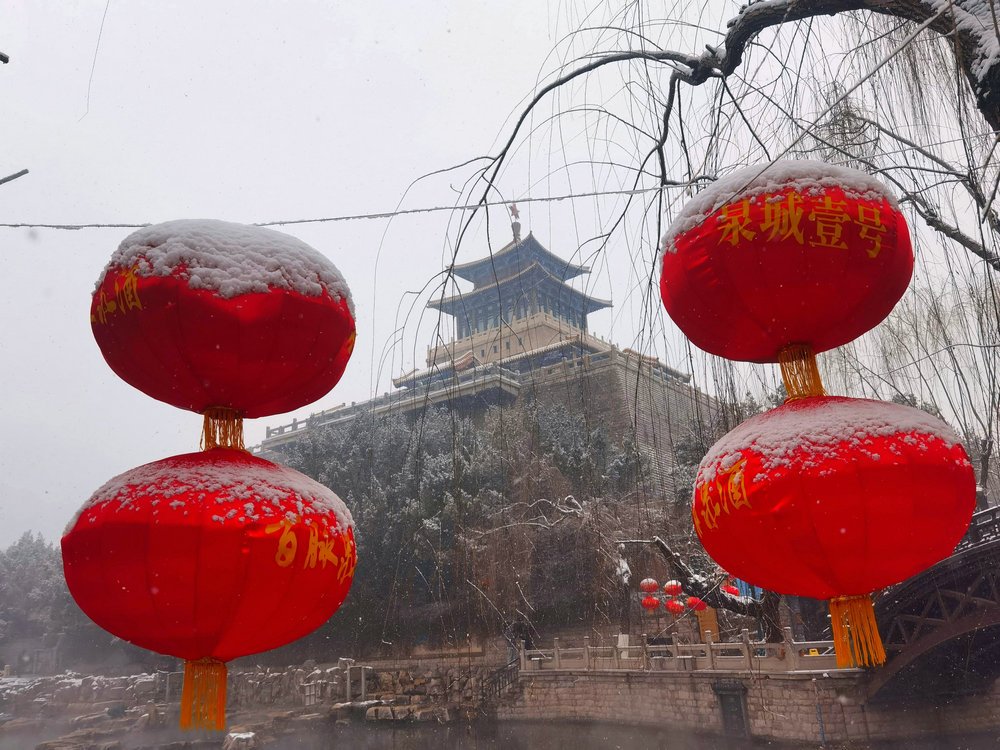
[[222, 428], [203, 697], [855, 632], [800, 372]]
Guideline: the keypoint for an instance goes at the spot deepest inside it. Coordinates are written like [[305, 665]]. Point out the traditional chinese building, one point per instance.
[[521, 334], [520, 303]]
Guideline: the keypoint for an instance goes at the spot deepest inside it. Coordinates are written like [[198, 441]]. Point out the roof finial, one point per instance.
[[515, 225]]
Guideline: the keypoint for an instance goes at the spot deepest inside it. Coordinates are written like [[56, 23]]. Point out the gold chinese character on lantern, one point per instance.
[[287, 543], [734, 221], [348, 558], [126, 297], [783, 217], [320, 550], [872, 228], [735, 493], [730, 495], [710, 509], [829, 224]]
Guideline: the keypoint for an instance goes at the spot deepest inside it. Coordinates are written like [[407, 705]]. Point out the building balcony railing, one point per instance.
[[514, 328]]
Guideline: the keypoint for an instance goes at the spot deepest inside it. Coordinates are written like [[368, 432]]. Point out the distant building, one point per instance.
[[520, 334]]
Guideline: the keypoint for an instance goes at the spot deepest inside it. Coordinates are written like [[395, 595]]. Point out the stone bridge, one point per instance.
[[941, 628]]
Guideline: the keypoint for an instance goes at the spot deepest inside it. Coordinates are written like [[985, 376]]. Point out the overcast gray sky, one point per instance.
[[244, 111]]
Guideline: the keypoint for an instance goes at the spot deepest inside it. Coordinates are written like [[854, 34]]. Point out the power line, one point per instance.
[[359, 217]]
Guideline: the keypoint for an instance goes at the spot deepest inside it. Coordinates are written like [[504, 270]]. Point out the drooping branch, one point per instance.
[[933, 219], [969, 24], [975, 39]]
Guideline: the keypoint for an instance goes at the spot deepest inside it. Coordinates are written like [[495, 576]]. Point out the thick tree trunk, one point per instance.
[[764, 611]]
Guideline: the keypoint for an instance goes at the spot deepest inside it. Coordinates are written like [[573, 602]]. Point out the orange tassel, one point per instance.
[[800, 372], [222, 428], [855, 632], [203, 697]]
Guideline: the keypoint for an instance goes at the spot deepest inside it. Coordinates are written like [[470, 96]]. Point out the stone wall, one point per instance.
[[807, 707], [249, 688]]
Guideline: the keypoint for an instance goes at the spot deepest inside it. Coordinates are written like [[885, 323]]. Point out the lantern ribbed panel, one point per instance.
[[745, 295], [261, 353], [184, 570], [797, 501]]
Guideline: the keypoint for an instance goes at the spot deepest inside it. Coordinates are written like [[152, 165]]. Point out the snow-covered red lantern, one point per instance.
[[648, 586], [673, 588], [210, 315], [650, 603], [674, 607], [728, 588], [696, 604], [794, 253], [832, 498], [207, 557]]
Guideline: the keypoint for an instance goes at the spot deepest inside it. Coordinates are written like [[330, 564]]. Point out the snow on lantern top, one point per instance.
[[791, 253], [851, 495], [648, 585], [804, 176], [230, 259], [819, 431], [208, 315], [235, 488]]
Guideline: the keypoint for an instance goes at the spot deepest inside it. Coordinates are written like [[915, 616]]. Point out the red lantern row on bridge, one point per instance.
[[214, 555], [823, 497]]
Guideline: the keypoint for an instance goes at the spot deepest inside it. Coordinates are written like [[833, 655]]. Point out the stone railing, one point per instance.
[[744, 655]]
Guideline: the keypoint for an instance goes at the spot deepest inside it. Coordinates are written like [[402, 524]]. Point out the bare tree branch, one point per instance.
[[969, 36], [14, 176]]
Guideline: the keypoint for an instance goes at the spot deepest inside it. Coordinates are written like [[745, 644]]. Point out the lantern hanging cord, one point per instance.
[[222, 428], [800, 372]]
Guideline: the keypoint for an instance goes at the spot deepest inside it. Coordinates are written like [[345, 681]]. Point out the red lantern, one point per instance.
[[693, 602], [648, 585], [203, 314], [832, 497], [650, 603], [209, 556], [729, 589], [799, 252], [673, 588], [674, 607]]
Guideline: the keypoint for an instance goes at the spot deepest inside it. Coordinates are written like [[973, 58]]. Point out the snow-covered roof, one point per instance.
[[230, 259], [526, 277], [518, 253]]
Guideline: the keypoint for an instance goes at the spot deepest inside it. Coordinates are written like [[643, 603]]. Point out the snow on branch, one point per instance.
[[704, 589], [971, 24]]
